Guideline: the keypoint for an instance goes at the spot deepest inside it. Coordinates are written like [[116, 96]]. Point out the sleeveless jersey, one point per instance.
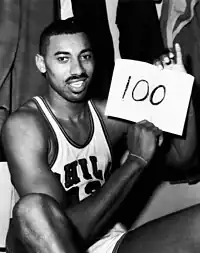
[[82, 169]]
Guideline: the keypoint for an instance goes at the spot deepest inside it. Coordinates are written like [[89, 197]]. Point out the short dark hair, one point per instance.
[[58, 27]]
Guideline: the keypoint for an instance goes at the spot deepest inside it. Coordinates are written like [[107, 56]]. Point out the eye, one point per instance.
[[86, 57], [63, 59]]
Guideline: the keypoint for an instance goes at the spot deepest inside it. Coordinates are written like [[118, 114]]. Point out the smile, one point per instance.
[[77, 84]]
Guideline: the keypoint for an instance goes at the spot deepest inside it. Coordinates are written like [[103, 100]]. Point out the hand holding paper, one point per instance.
[[140, 91], [172, 61]]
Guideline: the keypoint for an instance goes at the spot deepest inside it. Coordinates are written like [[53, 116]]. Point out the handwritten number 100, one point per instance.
[[151, 98]]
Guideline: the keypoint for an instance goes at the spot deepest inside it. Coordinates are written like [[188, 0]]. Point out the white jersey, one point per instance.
[[82, 169]]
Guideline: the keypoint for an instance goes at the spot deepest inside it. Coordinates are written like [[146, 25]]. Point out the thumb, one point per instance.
[[179, 58]]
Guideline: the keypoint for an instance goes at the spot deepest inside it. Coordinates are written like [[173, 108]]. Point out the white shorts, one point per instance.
[[108, 243]]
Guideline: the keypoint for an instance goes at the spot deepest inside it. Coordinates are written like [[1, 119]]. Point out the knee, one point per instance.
[[30, 206]]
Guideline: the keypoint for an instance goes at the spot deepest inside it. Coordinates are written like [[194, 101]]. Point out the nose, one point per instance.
[[76, 67]]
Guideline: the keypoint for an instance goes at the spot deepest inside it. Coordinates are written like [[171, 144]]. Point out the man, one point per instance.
[[59, 151]]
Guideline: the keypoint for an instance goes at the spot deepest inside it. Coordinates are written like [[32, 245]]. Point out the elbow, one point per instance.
[[180, 160], [184, 162]]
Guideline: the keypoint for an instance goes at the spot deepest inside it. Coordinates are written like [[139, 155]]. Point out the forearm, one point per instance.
[[183, 148], [93, 214]]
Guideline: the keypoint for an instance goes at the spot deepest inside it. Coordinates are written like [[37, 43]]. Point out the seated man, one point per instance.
[[59, 150]]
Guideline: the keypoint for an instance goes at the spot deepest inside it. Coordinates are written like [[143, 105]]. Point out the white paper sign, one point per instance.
[[141, 90]]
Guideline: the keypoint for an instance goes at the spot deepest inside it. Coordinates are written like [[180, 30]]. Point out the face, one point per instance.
[[69, 65]]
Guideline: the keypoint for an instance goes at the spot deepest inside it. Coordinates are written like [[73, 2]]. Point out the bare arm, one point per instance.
[[25, 143], [183, 149], [93, 215], [181, 153]]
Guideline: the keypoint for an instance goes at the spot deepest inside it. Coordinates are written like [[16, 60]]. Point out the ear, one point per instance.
[[39, 60]]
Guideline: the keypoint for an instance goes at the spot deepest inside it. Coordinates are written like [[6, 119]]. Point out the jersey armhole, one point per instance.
[[52, 131], [103, 127]]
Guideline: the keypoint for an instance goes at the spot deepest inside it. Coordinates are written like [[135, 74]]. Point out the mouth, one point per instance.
[[78, 85]]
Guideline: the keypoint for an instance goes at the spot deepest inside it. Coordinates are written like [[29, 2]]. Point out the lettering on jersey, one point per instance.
[[83, 164], [97, 173], [91, 187], [71, 176], [93, 178]]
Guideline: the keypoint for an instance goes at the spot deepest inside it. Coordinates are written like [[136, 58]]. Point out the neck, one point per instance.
[[64, 109]]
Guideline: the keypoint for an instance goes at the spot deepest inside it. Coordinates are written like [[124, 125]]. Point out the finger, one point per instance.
[[145, 123], [166, 60], [171, 55], [156, 130], [179, 59], [149, 127], [141, 122], [158, 64], [160, 140]]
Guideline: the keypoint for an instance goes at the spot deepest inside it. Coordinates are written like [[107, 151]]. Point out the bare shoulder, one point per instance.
[[115, 127], [24, 126]]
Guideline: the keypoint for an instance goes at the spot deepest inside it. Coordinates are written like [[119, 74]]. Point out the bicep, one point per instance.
[[26, 154]]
